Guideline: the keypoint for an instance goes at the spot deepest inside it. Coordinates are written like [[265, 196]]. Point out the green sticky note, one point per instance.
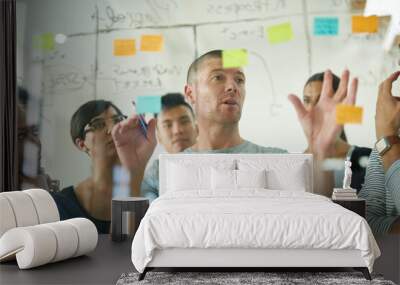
[[48, 41], [148, 104], [44, 41], [280, 33], [234, 58]]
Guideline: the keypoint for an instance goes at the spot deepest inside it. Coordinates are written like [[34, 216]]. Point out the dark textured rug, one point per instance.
[[225, 278]]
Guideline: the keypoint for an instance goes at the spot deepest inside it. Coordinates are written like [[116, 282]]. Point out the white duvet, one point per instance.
[[250, 218]]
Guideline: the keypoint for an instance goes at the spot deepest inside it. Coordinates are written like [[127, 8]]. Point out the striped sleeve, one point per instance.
[[374, 192], [393, 183]]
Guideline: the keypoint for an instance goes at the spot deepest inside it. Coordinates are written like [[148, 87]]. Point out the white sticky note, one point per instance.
[[60, 38], [386, 8], [381, 7], [393, 31]]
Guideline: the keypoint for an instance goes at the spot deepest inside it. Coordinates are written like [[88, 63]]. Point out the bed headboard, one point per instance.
[[282, 165]]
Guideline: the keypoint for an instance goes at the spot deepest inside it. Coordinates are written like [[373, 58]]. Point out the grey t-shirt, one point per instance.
[[150, 184]]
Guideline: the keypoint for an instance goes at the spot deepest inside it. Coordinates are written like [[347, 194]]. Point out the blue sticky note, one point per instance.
[[148, 104], [326, 26]]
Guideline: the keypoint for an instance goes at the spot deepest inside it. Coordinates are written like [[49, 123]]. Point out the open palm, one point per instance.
[[133, 148], [319, 123]]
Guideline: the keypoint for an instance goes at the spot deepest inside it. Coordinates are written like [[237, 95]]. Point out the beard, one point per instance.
[[221, 113]]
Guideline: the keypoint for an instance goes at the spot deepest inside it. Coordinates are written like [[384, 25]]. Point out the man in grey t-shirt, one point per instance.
[[217, 95]]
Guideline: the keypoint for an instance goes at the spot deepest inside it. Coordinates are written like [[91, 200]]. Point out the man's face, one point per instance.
[[311, 94], [217, 94], [176, 129], [98, 141]]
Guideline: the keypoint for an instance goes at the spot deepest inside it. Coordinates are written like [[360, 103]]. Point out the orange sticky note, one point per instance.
[[348, 114], [151, 43], [124, 47], [361, 24]]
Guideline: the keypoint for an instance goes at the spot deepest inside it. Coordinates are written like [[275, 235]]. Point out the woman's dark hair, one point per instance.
[[335, 85], [85, 114]]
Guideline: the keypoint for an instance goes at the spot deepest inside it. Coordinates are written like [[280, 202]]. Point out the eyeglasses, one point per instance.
[[100, 124]]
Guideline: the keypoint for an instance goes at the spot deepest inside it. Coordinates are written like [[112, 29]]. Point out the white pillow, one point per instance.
[[251, 178], [295, 179], [226, 179], [185, 174], [223, 179], [187, 177], [280, 174]]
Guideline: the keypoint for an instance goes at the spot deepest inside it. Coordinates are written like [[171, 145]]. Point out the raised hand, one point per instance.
[[387, 116], [133, 148], [387, 121], [319, 123]]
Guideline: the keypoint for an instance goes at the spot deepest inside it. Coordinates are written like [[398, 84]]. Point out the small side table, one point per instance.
[[357, 206], [137, 205]]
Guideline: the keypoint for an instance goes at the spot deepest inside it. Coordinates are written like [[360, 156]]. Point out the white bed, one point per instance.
[[247, 210]]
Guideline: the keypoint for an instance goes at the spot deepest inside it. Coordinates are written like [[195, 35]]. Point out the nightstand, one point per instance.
[[357, 206], [136, 205]]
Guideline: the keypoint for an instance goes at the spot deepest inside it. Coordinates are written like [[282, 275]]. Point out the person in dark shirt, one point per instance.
[[91, 127], [70, 207], [343, 150]]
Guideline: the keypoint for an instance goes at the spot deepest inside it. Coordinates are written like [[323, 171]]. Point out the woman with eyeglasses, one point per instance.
[[91, 127]]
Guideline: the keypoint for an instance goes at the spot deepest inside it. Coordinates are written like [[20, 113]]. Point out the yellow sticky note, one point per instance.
[[44, 41], [151, 43], [348, 114], [280, 33], [124, 47], [361, 24], [234, 58]]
